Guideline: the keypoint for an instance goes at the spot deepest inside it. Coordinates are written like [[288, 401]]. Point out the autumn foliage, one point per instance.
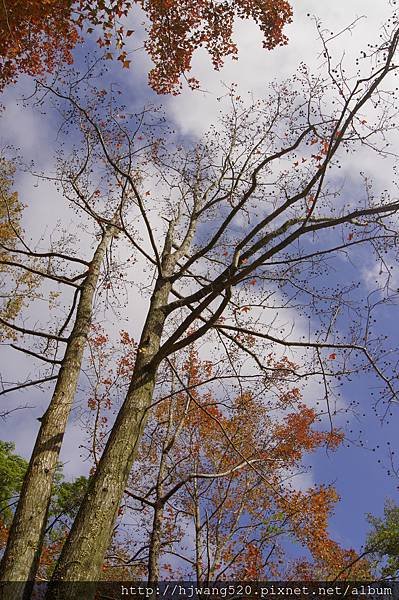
[[252, 502], [14, 291], [35, 34], [178, 28]]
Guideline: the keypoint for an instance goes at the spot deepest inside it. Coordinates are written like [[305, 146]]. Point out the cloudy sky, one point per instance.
[[360, 472]]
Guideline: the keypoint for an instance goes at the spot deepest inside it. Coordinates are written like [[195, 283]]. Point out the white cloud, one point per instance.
[[195, 111]]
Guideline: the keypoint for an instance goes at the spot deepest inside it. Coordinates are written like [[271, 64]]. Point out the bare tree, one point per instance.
[[21, 557], [257, 210]]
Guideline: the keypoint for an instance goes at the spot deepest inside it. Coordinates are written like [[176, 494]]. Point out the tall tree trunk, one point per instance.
[[198, 533], [155, 543], [21, 557], [83, 553], [159, 507]]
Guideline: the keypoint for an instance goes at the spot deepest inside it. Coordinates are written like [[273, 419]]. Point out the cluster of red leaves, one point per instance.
[[3, 534], [178, 28], [253, 562], [330, 561], [215, 437], [296, 435], [36, 34], [49, 557], [333, 563]]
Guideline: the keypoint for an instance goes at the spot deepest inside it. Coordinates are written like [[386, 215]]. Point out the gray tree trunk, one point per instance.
[[159, 508], [155, 543], [198, 534], [21, 557], [83, 553]]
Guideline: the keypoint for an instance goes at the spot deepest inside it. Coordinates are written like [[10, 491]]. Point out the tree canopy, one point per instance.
[[383, 541], [35, 35], [12, 472]]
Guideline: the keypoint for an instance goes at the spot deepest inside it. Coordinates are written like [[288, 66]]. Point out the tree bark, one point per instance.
[[22, 554], [198, 533], [159, 507], [83, 553], [155, 543]]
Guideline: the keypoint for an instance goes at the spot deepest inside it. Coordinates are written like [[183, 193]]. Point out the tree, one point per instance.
[[191, 474], [332, 563], [251, 213], [12, 471], [12, 296], [20, 559], [65, 499], [64, 344], [36, 35], [382, 542]]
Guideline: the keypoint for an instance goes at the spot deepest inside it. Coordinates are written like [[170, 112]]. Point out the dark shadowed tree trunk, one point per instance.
[[156, 531], [198, 535], [159, 503]]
